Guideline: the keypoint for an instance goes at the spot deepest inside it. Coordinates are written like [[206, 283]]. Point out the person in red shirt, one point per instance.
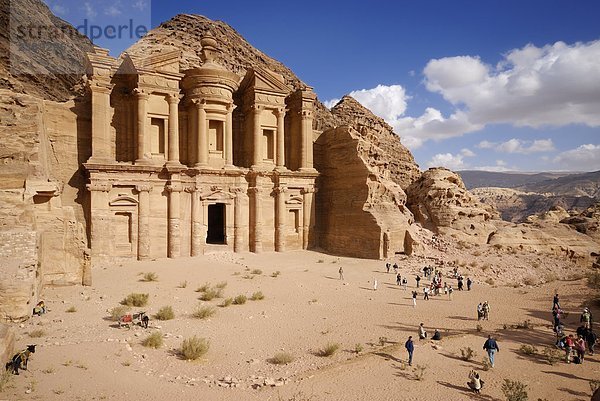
[[569, 344]]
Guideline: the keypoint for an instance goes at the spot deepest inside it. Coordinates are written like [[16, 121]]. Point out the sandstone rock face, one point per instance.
[[361, 212], [587, 222], [399, 161], [441, 203], [7, 343]]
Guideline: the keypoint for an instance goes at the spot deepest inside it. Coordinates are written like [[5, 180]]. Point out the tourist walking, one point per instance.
[[486, 310], [569, 344], [341, 271], [586, 318], [591, 338], [387, 267], [404, 283], [491, 346], [580, 349], [556, 302], [450, 291], [469, 283], [480, 311], [410, 347], [414, 298], [398, 279], [374, 284], [426, 293], [418, 279], [460, 284]]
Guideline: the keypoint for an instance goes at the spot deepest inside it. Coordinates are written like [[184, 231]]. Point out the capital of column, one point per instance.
[[280, 190], [280, 112], [173, 98], [306, 114], [231, 107], [256, 108], [140, 94], [308, 190], [174, 187], [101, 87], [190, 189], [199, 103], [99, 186], [237, 190], [255, 191], [143, 187]]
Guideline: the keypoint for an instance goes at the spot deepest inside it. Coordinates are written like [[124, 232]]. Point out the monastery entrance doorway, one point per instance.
[[216, 224]]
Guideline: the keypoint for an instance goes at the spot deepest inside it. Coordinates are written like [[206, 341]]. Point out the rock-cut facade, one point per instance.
[[188, 162]]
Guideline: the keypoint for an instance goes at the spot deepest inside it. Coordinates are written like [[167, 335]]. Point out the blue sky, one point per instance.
[[497, 85]]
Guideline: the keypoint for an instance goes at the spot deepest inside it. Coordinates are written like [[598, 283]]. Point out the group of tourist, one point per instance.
[[575, 347], [483, 311]]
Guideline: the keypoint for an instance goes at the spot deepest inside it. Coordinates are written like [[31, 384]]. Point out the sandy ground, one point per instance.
[[83, 356]]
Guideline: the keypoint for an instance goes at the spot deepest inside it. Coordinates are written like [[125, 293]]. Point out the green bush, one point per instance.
[[154, 340], [165, 313], [194, 348], [135, 299]]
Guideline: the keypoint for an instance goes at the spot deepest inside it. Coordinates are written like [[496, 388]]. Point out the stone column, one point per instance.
[[280, 158], [174, 230], [240, 226], [100, 217], [143, 220], [255, 192], [280, 218], [192, 136], [201, 136], [257, 137], [130, 128], [173, 153], [229, 136], [307, 215], [100, 122], [197, 240], [306, 159], [142, 150]]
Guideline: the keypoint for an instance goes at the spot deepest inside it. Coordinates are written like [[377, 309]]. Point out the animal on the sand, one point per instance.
[[130, 319], [20, 360]]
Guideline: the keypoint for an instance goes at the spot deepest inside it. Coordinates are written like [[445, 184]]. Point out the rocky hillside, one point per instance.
[[575, 185], [478, 178], [516, 206], [47, 67], [396, 157]]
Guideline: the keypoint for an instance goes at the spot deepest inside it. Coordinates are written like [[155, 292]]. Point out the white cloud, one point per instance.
[[448, 160], [59, 9], [467, 152], [515, 145], [113, 10], [140, 5], [90, 11], [330, 103], [554, 85], [584, 158]]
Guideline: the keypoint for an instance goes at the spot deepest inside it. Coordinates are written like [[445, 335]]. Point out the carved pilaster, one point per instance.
[[229, 136], [143, 155], [143, 220], [99, 224], [173, 151], [257, 137], [201, 134], [280, 157], [100, 90], [308, 216]]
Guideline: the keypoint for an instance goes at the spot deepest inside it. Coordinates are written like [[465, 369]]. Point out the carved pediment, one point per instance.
[[261, 79], [216, 194], [123, 201], [294, 200]]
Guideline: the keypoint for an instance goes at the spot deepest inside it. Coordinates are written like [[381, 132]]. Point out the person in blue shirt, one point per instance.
[[491, 346], [410, 347]]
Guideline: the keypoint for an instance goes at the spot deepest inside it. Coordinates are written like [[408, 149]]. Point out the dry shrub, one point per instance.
[[514, 390], [154, 340], [420, 372], [226, 302], [358, 348], [135, 299], [552, 355], [150, 276], [203, 288], [257, 296], [165, 313], [221, 285], [275, 273], [204, 312], [211, 293], [256, 271], [194, 348], [72, 309], [467, 353], [328, 350], [37, 333], [240, 300], [118, 311], [183, 284], [383, 341], [528, 349], [281, 358], [485, 364]]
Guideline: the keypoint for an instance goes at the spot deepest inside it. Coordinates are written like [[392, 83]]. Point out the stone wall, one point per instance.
[[7, 343]]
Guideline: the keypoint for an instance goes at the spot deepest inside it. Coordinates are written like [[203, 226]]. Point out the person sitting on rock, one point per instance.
[[436, 335], [422, 332], [39, 309]]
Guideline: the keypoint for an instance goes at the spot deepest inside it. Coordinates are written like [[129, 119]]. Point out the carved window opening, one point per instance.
[[216, 224], [294, 220], [268, 144], [157, 136], [215, 136]]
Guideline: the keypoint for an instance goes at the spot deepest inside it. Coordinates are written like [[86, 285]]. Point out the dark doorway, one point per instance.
[[216, 224]]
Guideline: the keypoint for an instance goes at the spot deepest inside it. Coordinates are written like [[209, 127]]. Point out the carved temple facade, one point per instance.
[[185, 162]]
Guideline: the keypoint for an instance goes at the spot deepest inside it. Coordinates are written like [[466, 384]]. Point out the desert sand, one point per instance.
[[85, 356]]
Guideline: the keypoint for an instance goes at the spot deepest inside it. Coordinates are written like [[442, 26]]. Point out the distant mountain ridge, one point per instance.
[[478, 179]]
